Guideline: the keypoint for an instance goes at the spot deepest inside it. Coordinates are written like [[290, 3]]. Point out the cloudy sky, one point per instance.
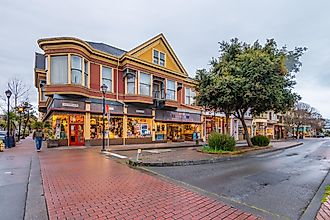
[[193, 28]]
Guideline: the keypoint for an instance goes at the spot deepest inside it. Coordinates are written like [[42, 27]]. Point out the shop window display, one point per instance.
[[160, 131], [60, 126], [115, 130], [139, 127]]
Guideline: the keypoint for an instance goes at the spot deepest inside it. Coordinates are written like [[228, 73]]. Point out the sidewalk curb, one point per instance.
[[315, 204], [204, 161], [35, 207], [161, 147]]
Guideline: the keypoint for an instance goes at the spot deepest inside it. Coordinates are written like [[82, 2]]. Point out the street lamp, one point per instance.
[[8, 94], [104, 90]]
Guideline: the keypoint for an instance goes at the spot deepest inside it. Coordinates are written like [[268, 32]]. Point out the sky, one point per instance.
[[193, 29]]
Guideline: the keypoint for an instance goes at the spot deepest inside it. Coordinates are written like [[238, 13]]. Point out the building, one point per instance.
[[150, 96]]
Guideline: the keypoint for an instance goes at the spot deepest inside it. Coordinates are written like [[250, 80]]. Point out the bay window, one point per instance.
[[107, 77], [86, 73], [145, 84], [171, 90], [130, 84], [59, 69], [190, 96], [76, 69]]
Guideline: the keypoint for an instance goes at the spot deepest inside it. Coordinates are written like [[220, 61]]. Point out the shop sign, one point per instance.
[[72, 105], [177, 116], [139, 111]]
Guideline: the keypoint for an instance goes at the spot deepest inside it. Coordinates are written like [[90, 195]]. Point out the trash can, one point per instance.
[[10, 142]]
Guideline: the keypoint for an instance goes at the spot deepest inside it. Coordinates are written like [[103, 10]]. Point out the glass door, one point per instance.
[[76, 134]]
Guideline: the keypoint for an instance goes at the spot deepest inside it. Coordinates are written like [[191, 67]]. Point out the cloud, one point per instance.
[[193, 28]]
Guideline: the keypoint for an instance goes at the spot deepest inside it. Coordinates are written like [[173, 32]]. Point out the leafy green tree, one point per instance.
[[247, 77]]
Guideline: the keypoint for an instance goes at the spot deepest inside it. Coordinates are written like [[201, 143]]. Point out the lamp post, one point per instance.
[[20, 110], [104, 90], [8, 94]]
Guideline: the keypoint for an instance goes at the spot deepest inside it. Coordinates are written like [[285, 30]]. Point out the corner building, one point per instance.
[[150, 96]]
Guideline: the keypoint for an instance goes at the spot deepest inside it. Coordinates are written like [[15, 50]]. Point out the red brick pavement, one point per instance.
[[81, 184], [324, 212]]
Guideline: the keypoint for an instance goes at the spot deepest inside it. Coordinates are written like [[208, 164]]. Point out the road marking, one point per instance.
[[118, 155]]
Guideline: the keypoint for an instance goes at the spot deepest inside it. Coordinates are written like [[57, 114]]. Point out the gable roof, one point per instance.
[[167, 45], [107, 48]]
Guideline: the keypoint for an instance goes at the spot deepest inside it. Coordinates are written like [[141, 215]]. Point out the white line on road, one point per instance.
[[118, 155]]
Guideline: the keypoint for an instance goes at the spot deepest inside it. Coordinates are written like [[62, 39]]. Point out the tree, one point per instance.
[[20, 91], [250, 77]]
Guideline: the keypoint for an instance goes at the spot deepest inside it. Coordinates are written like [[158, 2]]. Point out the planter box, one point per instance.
[[52, 143]]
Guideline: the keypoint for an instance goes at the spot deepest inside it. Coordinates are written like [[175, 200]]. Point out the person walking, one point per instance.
[[37, 137]]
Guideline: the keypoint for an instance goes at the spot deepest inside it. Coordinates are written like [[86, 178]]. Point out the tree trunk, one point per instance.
[[227, 124], [246, 132]]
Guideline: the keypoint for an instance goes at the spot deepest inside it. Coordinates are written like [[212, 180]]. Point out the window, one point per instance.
[[59, 69], [156, 56], [171, 90], [190, 96], [86, 73], [42, 90], [270, 116], [76, 69], [145, 84], [130, 84], [159, 58], [107, 77]]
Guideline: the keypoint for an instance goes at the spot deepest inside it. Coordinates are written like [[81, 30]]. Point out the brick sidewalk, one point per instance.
[[324, 212], [81, 184]]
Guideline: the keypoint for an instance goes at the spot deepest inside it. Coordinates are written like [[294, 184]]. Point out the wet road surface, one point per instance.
[[279, 184]]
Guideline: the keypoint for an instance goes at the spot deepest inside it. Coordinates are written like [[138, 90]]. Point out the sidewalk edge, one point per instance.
[[315, 204]]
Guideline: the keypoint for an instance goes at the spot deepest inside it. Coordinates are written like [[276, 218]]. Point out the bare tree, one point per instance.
[[20, 90]]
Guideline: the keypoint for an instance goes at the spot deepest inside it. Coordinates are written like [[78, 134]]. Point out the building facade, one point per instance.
[[150, 97]]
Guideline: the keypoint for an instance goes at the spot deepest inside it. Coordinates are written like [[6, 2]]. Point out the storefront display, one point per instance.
[[115, 130], [139, 127], [60, 127], [160, 134]]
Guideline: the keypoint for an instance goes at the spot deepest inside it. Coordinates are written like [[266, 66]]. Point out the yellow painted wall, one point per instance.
[[147, 55]]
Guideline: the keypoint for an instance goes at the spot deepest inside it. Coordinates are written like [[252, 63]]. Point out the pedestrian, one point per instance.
[[37, 137]]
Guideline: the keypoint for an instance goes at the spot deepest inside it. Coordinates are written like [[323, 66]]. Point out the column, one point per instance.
[[153, 133], [87, 124], [125, 125]]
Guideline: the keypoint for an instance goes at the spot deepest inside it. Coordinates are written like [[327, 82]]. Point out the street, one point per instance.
[[277, 185]]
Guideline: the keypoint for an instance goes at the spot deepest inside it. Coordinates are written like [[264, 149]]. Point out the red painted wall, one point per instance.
[[95, 76]]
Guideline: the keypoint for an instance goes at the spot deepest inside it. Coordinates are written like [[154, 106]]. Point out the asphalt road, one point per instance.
[[275, 185]]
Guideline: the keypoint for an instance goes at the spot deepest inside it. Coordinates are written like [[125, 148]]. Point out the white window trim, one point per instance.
[[151, 82], [175, 90], [101, 78], [185, 96], [82, 69], [158, 63]]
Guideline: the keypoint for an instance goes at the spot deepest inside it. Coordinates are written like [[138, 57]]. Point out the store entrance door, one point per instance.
[[76, 135]]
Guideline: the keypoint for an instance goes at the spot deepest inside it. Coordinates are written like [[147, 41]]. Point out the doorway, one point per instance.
[[76, 135]]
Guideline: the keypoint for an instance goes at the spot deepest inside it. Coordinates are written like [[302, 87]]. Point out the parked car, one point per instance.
[[3, 135]]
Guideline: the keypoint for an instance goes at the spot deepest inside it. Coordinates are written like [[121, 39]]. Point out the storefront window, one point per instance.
[[60, 127], [160, 131], [139, 127], [115, 130]]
